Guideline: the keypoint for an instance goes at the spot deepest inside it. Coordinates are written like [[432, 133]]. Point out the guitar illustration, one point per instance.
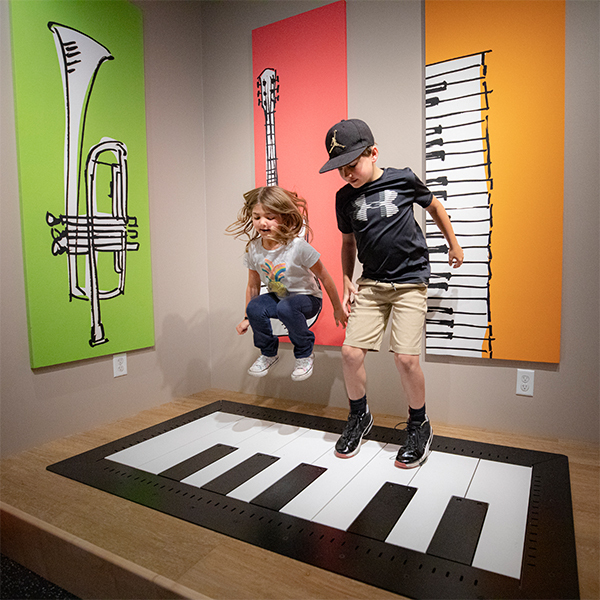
[[268, 94]]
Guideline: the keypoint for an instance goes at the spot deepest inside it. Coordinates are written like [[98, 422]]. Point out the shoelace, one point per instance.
[[353, 421], [302, 363], [411, 430]]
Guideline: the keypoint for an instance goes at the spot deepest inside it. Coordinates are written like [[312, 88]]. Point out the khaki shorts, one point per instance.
[[371, 309]]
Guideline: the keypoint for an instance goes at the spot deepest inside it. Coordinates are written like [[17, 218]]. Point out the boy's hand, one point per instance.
[[243, 327], [349, 291], [456, 257]]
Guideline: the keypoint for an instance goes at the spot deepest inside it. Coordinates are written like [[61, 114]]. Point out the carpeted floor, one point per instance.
[[17, 583]]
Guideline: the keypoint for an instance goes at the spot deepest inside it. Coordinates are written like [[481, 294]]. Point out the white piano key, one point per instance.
[[479, 240], [479, 215], [138, 455], [440, 478], [453, 350], [339, 472], [473, 305], [341, 511], [465, 228], [468, 270], [230, 435], [505, 487], [437, 315], [454, 105], [306, 448], [476, 254], [461, 281], [461, 294], [457, 189], [469, 127], [446, 69], [270, 441], [462, 202]]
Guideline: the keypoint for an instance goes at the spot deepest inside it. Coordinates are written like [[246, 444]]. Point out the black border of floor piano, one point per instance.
[[549, 557]]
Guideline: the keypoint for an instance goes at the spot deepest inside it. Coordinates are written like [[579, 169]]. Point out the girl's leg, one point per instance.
[[260, 311], [293, 312]]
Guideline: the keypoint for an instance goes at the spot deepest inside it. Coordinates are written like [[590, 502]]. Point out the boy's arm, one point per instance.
[[442, 220], [252, 290], [325, 278], [348, 262]]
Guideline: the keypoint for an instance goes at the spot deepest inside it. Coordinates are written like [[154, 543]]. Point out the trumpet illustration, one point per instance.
[[84, 230]]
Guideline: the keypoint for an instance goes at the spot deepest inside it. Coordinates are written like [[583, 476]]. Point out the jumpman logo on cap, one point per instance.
[[335, 143]]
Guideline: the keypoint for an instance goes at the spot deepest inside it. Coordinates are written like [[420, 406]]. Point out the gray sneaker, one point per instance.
[[262, 365], [304, 368]]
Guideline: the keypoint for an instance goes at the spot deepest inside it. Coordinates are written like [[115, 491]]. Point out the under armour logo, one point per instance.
[[384, 203], [334, 143]]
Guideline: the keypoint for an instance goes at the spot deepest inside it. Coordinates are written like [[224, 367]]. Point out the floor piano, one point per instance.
[[475, 520]]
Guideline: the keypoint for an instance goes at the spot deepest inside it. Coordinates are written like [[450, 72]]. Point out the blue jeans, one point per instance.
[[293, 312]]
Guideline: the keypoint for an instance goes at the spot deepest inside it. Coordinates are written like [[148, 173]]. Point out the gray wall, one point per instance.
[[199, 95], [385, 88], [53, 402]]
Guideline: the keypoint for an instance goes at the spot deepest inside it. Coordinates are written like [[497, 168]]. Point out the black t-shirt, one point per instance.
[[391, 245]]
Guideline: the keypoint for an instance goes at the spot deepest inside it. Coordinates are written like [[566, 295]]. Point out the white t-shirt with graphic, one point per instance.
[[285, 270]]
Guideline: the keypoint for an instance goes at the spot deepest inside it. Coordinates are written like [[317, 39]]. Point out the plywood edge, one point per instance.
[[79, 566]]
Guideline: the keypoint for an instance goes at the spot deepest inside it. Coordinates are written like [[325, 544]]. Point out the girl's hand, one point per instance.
[[341, 318], [243, 327]]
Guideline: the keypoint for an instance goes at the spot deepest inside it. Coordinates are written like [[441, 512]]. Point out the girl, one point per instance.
[[277, 256]]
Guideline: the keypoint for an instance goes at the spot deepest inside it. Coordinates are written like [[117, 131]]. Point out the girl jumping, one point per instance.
[[278, 257]]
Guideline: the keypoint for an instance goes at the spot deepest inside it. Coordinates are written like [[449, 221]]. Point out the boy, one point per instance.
[[375, 215]]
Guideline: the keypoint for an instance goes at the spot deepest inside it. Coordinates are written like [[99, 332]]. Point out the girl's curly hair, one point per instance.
[[288, 205]]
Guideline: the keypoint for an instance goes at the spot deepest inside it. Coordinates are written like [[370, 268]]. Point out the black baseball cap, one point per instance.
[[346, 141]]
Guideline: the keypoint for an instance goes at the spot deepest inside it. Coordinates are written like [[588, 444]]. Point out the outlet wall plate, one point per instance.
[[119, 365], [525, 379]]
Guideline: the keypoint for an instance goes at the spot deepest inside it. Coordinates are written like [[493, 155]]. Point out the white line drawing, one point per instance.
[[459, 173], [87, 234]]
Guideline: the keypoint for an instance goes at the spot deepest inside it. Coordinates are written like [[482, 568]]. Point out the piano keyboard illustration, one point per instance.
[[458, 167], [462, 508]]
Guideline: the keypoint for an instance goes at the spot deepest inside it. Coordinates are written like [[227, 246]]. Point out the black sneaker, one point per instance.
[[359, 424], [417, 446]]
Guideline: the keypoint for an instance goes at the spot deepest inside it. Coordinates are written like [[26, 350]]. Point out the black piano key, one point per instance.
[[288, 487], [380, 515], [199, 461], [458, 532], [228, 481]]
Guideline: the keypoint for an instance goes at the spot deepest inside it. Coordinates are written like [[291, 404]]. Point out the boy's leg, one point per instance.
[[368, 318], [410, 309], [419, 435], [360, 419], [412, 378], [355, 374]]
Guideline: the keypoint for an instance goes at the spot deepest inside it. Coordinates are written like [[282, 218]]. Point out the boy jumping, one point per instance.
[[375, 215]]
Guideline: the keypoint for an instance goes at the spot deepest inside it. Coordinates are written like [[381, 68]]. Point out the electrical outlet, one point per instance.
[[120, 364], [524, 382]]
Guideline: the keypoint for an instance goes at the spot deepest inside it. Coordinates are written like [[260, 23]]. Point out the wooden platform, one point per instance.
[[100, 546]]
